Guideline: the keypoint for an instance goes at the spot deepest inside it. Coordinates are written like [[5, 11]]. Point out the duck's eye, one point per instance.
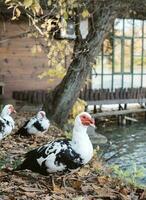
[[84, 117]]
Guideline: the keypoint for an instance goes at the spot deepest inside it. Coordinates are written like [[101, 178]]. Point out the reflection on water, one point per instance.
[[129, 142]]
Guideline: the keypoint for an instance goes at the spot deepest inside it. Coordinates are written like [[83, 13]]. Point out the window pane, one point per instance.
[[144, 47], [127, 81], [137, 64], [107, 65], [107, 81], [137, 47], [96, 82], [144, 64], [144, 28], [138, 28], [118, 27], [117, 59], [144, 80], [127, 55], [107, 47], [117, 81], [136, 80], [128, 23]]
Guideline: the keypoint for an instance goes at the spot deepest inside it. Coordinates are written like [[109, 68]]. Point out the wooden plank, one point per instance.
[[118, 112], [116, 101]]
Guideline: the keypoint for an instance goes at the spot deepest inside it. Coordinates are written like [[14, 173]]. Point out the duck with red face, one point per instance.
[[6, 121], [62, 154], [36, 125]]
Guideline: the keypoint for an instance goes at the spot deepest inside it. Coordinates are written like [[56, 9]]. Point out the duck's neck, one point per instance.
[[82, 144], [80, 134], [4, 114], [8, 118]]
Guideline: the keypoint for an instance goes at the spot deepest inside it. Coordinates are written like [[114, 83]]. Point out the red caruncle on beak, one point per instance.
[[87, 121], [12, 109]]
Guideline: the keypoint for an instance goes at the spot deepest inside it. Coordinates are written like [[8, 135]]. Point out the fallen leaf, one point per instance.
[[78, 198], [29, 189], [103, 180], [83, 171], [76, 184]]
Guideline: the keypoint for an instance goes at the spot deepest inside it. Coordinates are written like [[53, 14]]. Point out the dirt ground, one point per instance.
[[91, 182]]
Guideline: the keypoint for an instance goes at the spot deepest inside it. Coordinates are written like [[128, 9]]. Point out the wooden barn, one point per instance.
[[22, 59], [19, 68]]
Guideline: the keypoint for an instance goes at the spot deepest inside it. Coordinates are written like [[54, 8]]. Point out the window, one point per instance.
[[122, 60]]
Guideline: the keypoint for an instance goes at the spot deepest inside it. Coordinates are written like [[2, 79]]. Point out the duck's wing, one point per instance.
[[38, 125], [68, 156], [52, 157], [2, 124]]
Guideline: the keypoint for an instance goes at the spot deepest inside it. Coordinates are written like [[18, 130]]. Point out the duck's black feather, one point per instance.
[[38, 126], [66, 156], [22, 130]]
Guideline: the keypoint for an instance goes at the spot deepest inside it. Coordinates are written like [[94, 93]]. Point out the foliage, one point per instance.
[[77, 108], [47, 25], [131, 175], [58, 51]]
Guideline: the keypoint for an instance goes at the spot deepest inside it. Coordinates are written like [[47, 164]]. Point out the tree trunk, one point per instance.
[[60, 101]]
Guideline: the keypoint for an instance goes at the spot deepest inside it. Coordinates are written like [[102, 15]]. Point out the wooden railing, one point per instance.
[[91, 96], [105, 96], [31, 96]]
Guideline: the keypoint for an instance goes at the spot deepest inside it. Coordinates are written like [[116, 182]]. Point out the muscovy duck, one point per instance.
[[38, 124], [62, 154], [6, 121]]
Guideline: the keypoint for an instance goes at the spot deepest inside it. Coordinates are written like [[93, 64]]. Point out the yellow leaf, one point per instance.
[[7, 1], [85, 13], [83, 172], [27, 3], [78, 198], [43, 25], [18, 12], [65, 15], [39, 49], [49, 2], [14, 17], [34, 50], [37, 8]]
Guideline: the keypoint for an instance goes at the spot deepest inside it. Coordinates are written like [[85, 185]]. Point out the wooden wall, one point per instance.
[[19, 68]]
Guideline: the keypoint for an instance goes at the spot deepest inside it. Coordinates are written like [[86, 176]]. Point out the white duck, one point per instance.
[[62, 154], [6, 121], [38, 124]]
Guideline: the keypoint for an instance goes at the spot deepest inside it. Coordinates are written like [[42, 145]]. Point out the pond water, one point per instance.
[[126, 146]]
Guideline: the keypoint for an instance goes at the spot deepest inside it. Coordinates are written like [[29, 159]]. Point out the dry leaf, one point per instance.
[[29, 189], [76, 184], [102, 180], [83, 171]]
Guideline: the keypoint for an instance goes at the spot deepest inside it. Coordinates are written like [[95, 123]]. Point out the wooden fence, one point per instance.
[[31, 96], [89, 95]]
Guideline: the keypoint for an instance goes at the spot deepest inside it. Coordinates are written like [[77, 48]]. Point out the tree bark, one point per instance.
[[60, 101]]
